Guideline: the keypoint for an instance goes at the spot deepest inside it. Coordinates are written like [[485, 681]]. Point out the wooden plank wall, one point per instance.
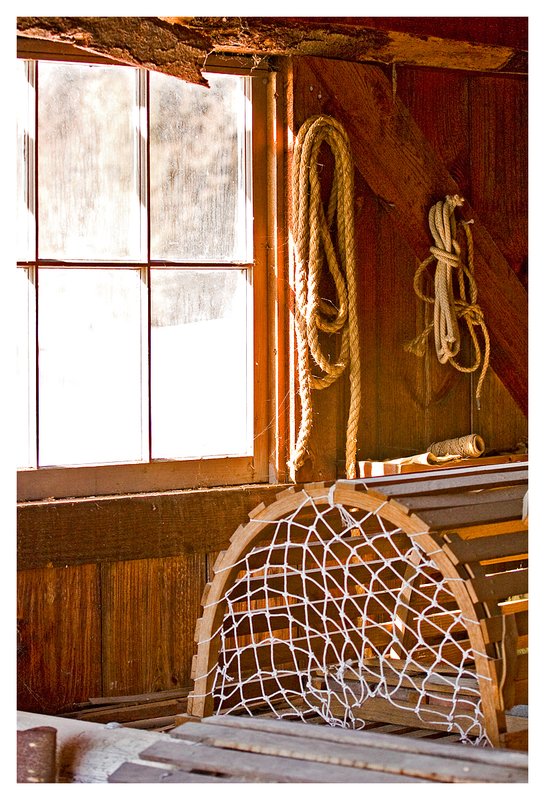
[[478, 125], [109, 590]]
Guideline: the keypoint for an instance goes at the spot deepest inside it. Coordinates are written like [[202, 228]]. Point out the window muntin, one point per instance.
[[229, 393]]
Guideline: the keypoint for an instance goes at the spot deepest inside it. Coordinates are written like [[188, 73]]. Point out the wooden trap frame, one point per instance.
[[400, 599]]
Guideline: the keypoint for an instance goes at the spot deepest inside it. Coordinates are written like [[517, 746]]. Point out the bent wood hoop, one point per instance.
[[467, 522]]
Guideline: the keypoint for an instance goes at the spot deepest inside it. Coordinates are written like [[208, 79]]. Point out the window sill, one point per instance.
[[52, 483]]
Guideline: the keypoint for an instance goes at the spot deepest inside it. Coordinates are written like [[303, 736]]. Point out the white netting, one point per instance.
[[339, 616]]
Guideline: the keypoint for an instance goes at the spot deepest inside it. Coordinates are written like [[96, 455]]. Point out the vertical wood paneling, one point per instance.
[[499, 163], [417, 399], [149, 612], [58, 659], [367, 216], [408, 402], [500, 421], [438, 103], [329, 410]]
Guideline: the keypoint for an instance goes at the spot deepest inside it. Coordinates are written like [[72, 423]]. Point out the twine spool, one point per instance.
[[470, 446]]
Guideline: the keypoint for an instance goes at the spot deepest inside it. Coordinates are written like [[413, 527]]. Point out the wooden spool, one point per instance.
[[470, 527]]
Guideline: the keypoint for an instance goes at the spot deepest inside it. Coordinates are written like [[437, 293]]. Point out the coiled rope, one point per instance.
[[448, 309], [324, 236]]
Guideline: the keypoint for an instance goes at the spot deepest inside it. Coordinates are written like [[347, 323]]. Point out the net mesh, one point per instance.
[[338, 616]]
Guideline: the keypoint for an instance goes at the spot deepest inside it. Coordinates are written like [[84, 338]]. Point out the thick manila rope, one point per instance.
[[314, 245]]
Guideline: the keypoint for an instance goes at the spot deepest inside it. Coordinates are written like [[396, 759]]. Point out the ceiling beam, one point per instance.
[[403, 170], [180, 45]]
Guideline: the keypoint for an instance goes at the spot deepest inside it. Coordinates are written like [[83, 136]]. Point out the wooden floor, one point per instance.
[[230, 749]]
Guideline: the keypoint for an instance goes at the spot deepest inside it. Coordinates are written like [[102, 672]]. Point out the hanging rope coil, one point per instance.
[[448, 308], [324, 237]]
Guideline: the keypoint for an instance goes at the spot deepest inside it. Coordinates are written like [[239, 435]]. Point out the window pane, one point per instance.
[[200, 382], [200, 201], [90, 351], [25, 161], [89, 198], [25, 363]]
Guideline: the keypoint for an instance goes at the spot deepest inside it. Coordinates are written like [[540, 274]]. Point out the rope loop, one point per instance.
[[450, 306], [324, 236]]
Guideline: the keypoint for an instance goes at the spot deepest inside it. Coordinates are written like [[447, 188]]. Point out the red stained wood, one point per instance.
[[150, 608], [403, 169], [59, 646]]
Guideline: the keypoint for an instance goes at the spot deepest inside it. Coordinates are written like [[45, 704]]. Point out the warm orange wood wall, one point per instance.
[[478, 124], [109, 591]]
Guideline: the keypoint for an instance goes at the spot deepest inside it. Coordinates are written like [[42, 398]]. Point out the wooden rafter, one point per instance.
[[401, 167], [181, 45]]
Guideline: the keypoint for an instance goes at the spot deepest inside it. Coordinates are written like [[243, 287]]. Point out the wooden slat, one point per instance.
[[436, 519], [380, 601], [133, 712], [498, 586], [326, 617], [337, 735], [360, 756], [317, 584], [450, 483], [488, 529], [429, 717], [133, 699], [408, 676], [493, 627], [421, 503], [456, 472], [142, 773], [297, 654], [462, 551], [259, 692], [260, 768]]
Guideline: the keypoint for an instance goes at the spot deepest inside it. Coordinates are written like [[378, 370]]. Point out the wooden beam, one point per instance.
[[67, 532], [404, 171], [138, 41], [180, 45], [354, 39]]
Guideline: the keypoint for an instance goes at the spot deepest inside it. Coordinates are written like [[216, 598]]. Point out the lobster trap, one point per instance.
[[398, 599]]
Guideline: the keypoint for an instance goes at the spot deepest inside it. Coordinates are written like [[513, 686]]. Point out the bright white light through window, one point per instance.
[[143, 290]]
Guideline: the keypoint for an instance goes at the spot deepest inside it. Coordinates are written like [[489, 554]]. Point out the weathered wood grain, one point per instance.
[[180, 45], [59, 647], [107, 529], [403, 169], [149, 610]]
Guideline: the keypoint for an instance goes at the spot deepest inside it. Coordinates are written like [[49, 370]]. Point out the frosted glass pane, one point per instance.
[[90, 359], [200, 390], [200, 205], [26, 226], [25, 449], [89, 205]]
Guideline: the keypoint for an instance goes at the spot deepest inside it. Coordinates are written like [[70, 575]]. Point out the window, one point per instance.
[[141, 256]]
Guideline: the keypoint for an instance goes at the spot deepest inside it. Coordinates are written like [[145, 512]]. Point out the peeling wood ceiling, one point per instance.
[[180, 46]]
